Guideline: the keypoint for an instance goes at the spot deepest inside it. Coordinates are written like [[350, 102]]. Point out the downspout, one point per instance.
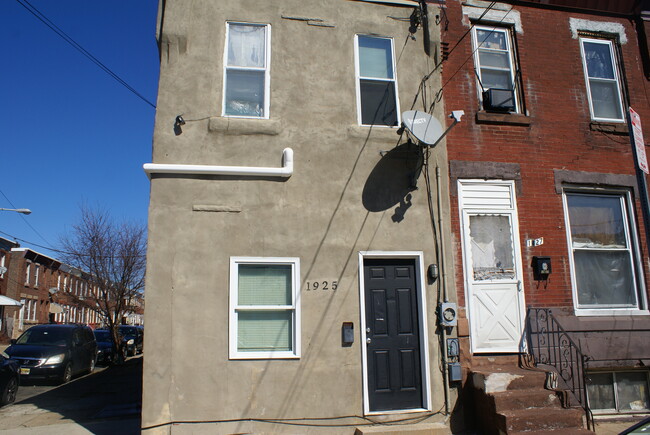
[[445, 297], [283, 172]]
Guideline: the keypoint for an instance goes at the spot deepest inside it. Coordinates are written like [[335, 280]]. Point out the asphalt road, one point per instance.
[[107, 400]]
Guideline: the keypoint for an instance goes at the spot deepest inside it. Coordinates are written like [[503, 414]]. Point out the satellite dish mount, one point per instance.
[[425, 128]]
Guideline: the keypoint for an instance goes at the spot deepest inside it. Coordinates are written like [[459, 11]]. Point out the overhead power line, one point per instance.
[[42, 18]]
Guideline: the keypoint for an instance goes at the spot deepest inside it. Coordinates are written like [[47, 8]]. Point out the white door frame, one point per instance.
[[422, 317], [511, 211]]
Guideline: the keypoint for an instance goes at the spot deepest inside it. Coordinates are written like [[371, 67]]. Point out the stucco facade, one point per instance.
[[351, 197]]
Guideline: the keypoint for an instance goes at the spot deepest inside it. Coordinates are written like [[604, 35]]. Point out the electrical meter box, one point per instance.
[[541, 268]]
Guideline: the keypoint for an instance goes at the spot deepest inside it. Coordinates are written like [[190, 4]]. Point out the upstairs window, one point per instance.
[[28, 271], [2, 264], [602, 78], [604, 258], [247, 75], [36, 272], [495, 69], [376, 84], [264, 308]]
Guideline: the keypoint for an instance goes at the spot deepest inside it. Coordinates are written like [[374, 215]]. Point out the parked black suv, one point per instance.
[[54, 352]]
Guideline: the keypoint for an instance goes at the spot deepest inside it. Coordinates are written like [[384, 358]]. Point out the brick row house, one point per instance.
[[546, 208], [41, 289], [401, 263]]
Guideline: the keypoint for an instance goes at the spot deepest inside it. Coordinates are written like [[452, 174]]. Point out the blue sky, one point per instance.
[[71, 134]]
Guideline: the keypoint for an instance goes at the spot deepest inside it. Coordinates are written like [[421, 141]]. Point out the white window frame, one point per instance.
[[3, 258], [627, 206], [601, 411], [510, 49], [610, 43], [36, 270], [358, 78], [266, 69], [28, 271], [294, 262]]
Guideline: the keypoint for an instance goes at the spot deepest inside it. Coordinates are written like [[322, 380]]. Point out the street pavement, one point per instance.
[[105, 402]]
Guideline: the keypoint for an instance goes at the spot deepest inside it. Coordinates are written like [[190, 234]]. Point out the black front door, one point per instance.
[[392, 334]]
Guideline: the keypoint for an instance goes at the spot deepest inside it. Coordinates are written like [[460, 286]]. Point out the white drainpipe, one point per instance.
[[284, 172]]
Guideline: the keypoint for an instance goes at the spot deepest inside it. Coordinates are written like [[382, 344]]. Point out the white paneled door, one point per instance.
[[492, 265]]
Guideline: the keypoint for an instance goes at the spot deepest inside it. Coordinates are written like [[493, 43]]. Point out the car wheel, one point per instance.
[[9, 392], [67, 374]]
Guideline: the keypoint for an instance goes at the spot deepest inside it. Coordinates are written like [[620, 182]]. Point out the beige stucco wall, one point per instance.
[[337, 203]]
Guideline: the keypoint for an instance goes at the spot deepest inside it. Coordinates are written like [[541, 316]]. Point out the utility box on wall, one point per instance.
[[541, 268]]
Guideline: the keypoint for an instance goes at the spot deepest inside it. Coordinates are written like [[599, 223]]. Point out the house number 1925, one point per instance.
[[322, 285]]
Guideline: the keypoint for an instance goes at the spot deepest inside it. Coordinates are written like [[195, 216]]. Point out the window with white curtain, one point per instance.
[[618, 392], [2, 264], [377, 100], [28, 271], [602, 78], [247, 70], [603, 251], [264, 308], [36, 270]]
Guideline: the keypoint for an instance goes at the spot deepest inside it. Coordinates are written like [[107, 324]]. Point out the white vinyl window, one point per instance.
[[3, 257], [28, 271], [247, 70], [495, 68], [603, 252], [264, 308], [602, 78], [377, 100], [618, 392], [36, 270]]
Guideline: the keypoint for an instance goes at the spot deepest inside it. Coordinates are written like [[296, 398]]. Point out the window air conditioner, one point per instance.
[[499, 100]]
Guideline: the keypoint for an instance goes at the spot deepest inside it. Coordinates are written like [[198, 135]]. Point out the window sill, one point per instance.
[[610, 312], [245, 126], [609, 127], [502, 118], [383, 133]]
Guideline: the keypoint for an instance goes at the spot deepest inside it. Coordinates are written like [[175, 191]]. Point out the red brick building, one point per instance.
[[546, 210]]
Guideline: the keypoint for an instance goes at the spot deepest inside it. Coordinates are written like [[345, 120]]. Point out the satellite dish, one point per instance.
[[423, 126]]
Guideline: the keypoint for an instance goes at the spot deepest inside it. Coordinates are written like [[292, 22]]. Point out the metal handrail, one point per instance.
[[549, 344]]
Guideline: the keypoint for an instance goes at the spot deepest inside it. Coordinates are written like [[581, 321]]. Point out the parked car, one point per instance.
[[134, 333], [9, 379], [106, 353], [54, 352]]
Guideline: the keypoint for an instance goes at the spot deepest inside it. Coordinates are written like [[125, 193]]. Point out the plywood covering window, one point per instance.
[[247, 70], [377, 100], [602, 79], [264, 308]]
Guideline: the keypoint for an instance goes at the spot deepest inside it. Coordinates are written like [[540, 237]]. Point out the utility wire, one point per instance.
[[25, 220], [36, 13]]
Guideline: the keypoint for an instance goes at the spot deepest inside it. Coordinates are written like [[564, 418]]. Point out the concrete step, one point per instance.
[[524, 399], [536, 419], [560, 431], [487, 361], [507, 377]]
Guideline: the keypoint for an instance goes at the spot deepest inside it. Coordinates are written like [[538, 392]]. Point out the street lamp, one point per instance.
[[17, 210]]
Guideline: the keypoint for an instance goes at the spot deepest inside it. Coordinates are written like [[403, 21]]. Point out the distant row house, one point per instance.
[[36, 288]]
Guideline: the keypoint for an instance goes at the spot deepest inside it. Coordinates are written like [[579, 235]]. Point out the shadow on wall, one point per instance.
[[392, 179]]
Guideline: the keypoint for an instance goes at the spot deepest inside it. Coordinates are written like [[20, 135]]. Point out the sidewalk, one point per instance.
[[109, 427]]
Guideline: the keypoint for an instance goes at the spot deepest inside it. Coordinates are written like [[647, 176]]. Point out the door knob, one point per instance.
[[368, 340]]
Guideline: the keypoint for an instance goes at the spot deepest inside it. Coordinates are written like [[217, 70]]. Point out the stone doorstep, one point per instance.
[[562, 431], [539, 419], [504, 378], [407, 429], [523, 399]]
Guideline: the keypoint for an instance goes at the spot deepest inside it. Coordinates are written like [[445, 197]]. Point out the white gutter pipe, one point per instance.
[[284, 172]]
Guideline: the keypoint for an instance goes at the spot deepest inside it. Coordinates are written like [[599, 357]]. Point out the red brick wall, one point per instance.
[[558, 137]]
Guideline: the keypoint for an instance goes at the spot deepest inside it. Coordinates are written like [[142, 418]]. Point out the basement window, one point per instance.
[[618, 392]]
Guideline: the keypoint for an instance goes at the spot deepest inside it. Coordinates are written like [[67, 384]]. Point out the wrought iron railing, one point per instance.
[[548, 344]]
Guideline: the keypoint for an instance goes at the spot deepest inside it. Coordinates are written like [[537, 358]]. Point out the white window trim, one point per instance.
[[633, 243], [614, 411], [28, 271], [36, 270], [358, 78], [610, 43], [513, 62], [3, 258], [422, 318], [294, 262], [266, 69]]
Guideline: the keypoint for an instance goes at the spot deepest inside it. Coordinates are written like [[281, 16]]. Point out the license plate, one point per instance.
[[24, 370]]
